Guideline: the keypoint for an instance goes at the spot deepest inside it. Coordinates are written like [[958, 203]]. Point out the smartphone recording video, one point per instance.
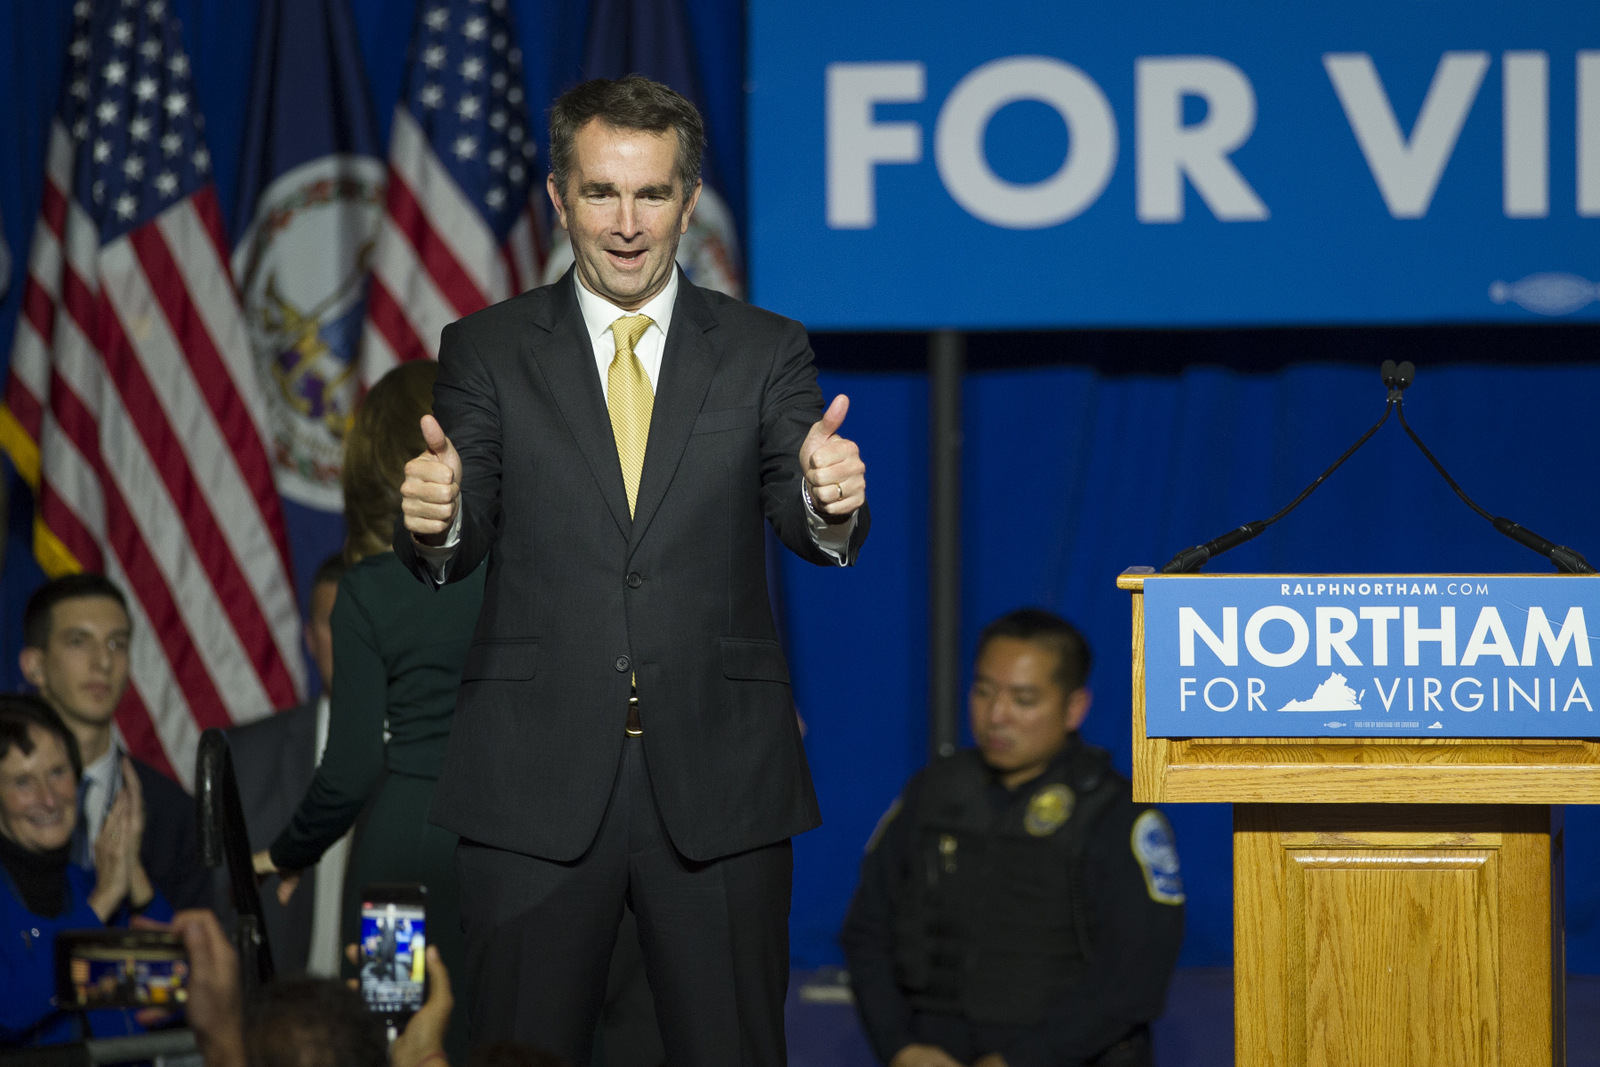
[[393, 939], [120, 969]]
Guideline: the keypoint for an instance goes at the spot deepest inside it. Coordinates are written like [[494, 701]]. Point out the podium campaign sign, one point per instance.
[[1371, 655]]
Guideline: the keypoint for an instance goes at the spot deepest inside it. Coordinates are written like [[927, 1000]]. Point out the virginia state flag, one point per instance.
[[311, 196], [651, 37]]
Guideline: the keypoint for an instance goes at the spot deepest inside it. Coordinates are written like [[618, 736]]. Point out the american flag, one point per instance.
[[133, 407], [459, 232]]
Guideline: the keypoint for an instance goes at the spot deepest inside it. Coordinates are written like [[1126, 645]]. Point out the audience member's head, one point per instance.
[[318, 630], [1028, 692], [313, 1022], [386, 433], [75, 634], [39, 772], [505, 1054]]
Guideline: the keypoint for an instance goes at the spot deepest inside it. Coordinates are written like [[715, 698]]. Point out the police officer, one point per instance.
[[1016, 907]]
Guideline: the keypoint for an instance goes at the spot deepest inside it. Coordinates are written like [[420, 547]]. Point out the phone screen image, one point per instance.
[[128, 976], [392, 941]]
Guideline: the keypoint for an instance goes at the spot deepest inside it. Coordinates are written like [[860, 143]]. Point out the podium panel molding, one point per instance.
[[1406, 935]]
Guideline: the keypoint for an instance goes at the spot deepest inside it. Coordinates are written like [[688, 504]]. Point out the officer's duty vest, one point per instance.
[[990, 920]]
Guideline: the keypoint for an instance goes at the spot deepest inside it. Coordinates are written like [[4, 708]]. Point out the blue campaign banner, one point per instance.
[[1039, 163], [1371, 655]]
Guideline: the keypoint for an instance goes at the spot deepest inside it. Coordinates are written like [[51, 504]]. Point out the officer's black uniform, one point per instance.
[[1042, 923]]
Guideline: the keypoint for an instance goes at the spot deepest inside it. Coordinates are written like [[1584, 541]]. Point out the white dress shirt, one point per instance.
[[598, 315], [101, 780]]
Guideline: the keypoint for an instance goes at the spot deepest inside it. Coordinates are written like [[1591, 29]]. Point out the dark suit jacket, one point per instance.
[[273, 761], [578, 598], [170, 850]]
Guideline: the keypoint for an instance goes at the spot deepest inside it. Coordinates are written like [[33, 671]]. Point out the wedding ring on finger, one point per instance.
[[840, 487]]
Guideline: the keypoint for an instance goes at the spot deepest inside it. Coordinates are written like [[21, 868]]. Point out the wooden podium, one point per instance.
[[1397, 901]]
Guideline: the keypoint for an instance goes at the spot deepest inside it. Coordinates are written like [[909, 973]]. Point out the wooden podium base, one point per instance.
[[1398, 935]]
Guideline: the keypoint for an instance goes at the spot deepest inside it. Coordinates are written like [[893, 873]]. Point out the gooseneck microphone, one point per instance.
[[1397, 377], [1190, 559], [1566, 560]]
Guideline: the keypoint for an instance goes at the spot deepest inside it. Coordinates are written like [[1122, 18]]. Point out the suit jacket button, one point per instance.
[[623, 664], [634, 580]]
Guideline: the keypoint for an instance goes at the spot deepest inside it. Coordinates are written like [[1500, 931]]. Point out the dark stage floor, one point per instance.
[[1197, 1030]]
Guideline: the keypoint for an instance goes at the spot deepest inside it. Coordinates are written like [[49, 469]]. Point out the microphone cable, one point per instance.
[[1398, 377], [1190, 559], [1567, 560]]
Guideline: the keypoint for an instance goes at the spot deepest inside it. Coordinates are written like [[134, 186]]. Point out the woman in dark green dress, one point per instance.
[[398, 647]]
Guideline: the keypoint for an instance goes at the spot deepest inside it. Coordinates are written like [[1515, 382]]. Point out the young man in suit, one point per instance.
[[75, 633], [608, 447]]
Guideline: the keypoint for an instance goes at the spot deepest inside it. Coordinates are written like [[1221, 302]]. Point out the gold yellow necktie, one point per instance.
[[630, 400]]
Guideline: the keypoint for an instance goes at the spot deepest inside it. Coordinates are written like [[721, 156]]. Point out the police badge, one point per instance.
[[1049, 809]]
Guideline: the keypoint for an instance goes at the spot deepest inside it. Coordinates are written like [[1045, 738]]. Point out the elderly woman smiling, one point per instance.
[[42, 892]]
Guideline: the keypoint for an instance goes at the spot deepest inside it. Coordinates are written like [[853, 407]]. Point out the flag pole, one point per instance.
[[947, 355]]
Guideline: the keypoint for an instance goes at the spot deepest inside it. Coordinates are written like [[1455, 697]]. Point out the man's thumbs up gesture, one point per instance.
[[430, 494], [836, 479]]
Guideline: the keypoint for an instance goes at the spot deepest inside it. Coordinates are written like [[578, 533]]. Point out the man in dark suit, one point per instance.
[[75, 634], [273, 760], [607, 447]]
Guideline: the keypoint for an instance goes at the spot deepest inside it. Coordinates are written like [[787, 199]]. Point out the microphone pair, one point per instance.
[[1397, 376]]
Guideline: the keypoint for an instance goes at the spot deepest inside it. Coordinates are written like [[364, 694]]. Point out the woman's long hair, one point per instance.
[[385, 435]]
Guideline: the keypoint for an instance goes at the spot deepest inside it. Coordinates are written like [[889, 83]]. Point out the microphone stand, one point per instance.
[[1398, 378]]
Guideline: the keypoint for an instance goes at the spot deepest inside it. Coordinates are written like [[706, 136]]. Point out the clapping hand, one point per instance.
[[119, 873]]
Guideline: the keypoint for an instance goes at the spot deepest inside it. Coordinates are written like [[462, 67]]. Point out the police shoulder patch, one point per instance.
[[1157, 853]]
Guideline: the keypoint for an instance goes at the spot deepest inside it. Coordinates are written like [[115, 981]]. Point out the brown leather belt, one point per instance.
[[633, 728]]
